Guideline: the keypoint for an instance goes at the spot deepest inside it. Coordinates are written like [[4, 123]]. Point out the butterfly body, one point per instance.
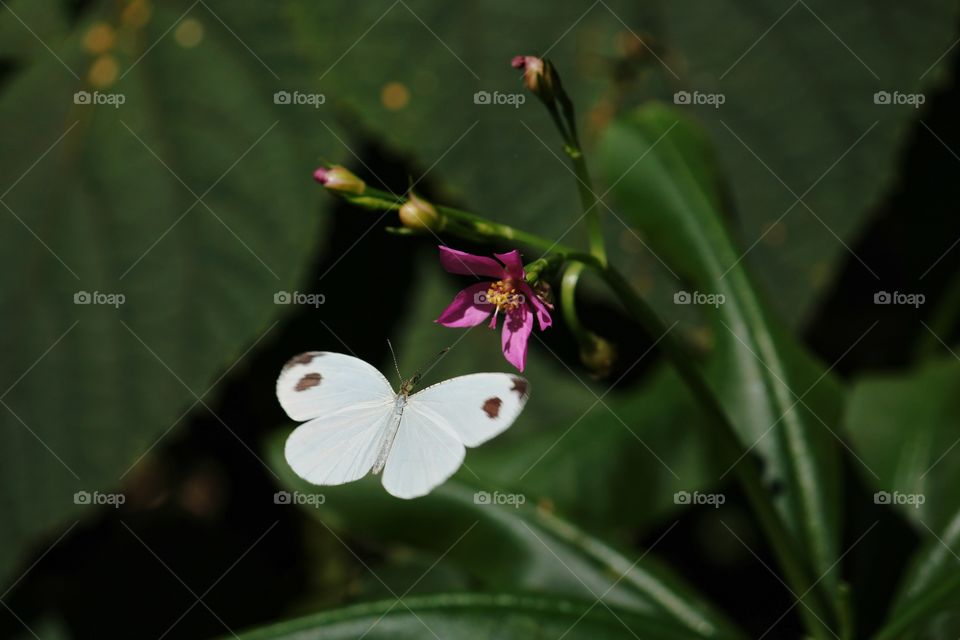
[[356, 423]]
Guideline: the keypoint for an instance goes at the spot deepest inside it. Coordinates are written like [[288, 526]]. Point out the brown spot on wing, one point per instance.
[[521, 386], [491, 406], [303, 358], [308, 381]]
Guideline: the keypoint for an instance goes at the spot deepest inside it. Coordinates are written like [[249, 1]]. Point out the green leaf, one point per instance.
[[798, 119], [103, 200], [905, 427], [534, 549], [27, 27], [473, 616], [782, 403], [799, 94]]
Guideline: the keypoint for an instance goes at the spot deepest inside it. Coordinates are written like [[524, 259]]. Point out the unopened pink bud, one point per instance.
[[340, 179]]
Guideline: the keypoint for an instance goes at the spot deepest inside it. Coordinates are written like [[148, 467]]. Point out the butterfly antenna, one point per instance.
[[436, 359], [395, 365]]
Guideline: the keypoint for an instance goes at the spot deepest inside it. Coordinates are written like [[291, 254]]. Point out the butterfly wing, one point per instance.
[[349, 405], [478, 406], [425, 452], [440, 420], [318, 383]]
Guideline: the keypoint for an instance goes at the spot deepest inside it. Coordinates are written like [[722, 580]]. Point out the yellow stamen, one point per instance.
[[503, 294]]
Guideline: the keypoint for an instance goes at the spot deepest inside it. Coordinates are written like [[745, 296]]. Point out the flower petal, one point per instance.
[[513, 264], [467, 264], [517, 327], [465, 310], [543, 313]]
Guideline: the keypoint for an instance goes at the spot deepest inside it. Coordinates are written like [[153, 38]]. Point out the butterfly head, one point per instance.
[[407, 387]]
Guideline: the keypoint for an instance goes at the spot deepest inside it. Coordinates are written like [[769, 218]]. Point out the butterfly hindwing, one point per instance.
[[425, 452], [318, 383], [476, 407], [340, 447]]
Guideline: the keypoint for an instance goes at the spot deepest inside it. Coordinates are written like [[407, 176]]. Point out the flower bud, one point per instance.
[[339, 179], [538, 76], [417, 214], [598, 355]]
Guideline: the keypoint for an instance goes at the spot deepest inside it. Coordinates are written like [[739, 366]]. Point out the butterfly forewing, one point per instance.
[[476, 407], [349, 405], [319, 383]]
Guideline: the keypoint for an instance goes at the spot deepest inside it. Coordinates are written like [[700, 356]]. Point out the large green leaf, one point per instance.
[[799, 119], [798, 79], [104, 200], [535, 551], [473, 616], [27, 27], [906, 427], [664, 180]]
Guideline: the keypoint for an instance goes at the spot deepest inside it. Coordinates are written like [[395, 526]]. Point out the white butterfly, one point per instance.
[[358, 423]]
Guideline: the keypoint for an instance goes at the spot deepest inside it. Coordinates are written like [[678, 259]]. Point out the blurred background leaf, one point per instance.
[[913, 471], [188, 203], [536, 551]]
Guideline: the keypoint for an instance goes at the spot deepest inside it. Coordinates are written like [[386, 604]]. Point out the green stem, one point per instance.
[[568, 302], [459, 223], [588, 200]]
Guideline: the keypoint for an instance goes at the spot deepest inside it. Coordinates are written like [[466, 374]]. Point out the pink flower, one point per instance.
[[508, 293]]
